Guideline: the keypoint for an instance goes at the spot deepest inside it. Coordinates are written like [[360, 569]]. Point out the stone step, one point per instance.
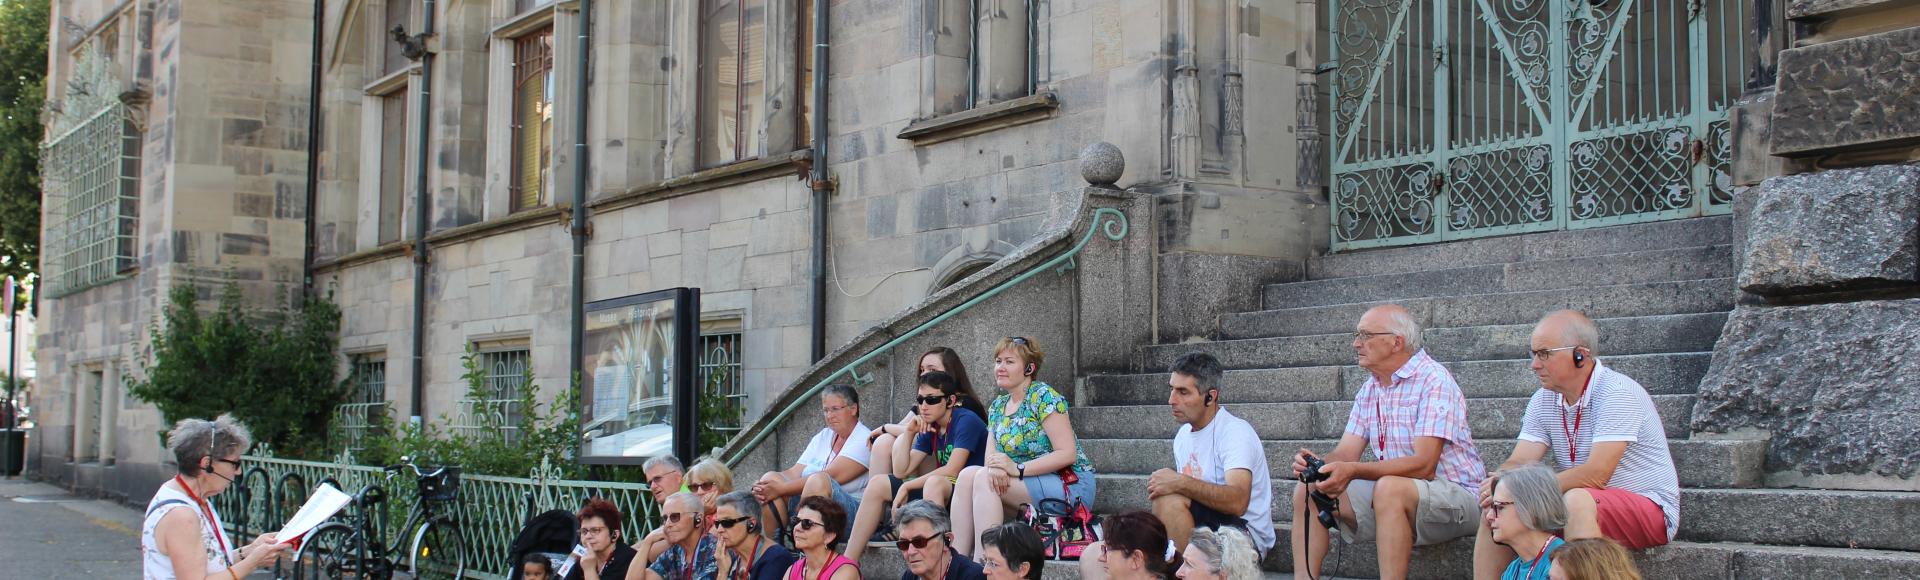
[[1679, 560], [1618, 336], [1661, 374], [1489, 418], [1663, 265], [1519, 307], [1699, 462], [1534, 247]]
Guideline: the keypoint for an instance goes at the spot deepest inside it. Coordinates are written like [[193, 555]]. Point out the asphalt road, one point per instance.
[[47, 533]]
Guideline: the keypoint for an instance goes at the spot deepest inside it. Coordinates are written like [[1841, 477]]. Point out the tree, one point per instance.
[[23, 58]]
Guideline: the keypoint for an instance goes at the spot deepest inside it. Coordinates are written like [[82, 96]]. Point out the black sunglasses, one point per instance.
[[932, 399], [674, 518], [802, 524], [1019, 340], [728, 524], [918, 543]]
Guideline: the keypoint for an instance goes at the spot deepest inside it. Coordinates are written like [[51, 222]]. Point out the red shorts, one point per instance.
[[1630, 518]]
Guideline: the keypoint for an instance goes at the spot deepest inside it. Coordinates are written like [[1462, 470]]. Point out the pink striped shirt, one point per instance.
[[1422, 401]]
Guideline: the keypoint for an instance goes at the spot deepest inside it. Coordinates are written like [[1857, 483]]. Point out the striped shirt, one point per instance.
[[1614, 408], [1421, 401]]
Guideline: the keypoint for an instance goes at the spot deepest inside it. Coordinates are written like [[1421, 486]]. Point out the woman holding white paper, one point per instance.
[[182, 537]]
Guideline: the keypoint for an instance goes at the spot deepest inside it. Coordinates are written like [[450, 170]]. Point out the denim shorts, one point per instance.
[[1047, 486], [846, 500]]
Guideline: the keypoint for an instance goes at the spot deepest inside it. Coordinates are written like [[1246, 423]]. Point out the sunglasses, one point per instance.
[[803, 524], [675, 517], [703, 487], [932, 399], [729, 523], [234, 463], [1019, 340], [917, 543]]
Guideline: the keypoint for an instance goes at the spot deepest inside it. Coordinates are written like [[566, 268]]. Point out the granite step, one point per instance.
[[1495, 418], [1661, 374], [1533, 247], [1518, 307], [1699, 462], [1618, 336], [1663, 265]]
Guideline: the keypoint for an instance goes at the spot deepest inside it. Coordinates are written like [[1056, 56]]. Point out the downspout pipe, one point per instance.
[[420, 199], [313, 149], [818, 178], [577, 336]]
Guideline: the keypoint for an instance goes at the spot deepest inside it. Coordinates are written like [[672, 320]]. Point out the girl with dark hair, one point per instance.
[[1012, 551], [536, 566], [946, 439], [816, 531], [939, 360], [1136, 548]]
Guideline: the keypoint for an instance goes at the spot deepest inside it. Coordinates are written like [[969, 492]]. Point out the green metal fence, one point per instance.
[[489, 512], [1470, 118]]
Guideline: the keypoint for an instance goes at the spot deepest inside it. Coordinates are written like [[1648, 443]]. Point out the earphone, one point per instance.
[[1029, 369], [753, 527], [1209, 400], [1578, 358]]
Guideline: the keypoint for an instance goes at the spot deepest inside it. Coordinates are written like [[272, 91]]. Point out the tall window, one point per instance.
[[722, 402], [393, 162], [804, 76], [366, 406], [532, 119], [493, 405], [733, 66]]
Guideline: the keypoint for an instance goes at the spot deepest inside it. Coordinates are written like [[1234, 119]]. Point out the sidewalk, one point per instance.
[[46, 532]]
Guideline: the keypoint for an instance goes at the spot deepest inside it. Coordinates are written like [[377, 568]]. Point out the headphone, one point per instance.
[[1030, 369], [753, 526], [206, 463], [1578, 359], [1209, 399]]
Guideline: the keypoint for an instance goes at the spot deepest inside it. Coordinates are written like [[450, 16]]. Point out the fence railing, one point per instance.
[[490, 510]]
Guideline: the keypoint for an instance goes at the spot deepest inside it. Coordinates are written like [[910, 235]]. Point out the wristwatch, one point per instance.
[[1023, 469]]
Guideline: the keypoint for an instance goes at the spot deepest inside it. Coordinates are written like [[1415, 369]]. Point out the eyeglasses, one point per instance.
[[932, 399], [592, 531], [1498, 506], [729, 523], [1363, 336], [234, 462], [803, 524], [703, 487], [918, 543], [675, 517], [1541, 354], [832, 410], [658, 479]]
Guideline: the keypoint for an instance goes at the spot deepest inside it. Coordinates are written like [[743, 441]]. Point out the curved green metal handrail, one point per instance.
[[1114, 226]]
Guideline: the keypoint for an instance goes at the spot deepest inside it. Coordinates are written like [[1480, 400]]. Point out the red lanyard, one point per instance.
[[833, 450], [754, 554], [1382, 438], [1573, 446], [1536, 559], [691, 560], [207, 511]]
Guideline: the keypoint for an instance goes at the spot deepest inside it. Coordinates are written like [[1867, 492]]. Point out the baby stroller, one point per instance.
[[550, 534]]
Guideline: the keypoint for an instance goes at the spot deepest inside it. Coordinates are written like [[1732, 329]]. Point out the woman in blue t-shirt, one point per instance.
[[947, 437], [1523, 511]]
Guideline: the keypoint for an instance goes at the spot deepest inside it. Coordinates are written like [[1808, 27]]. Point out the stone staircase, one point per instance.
[[1660, 293]]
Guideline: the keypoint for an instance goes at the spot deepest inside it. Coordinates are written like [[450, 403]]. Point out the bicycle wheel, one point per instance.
[[438, 551], [329, 552]]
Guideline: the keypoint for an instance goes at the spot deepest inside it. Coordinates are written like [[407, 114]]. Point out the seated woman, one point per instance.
[[942, 360], [1225, 554], [607, 557], [1136, 548], [1031, 453], [1012, 551], [946, 438], [708, 479], [1523, 511], [816, 531], [746, 554], [833, 465]]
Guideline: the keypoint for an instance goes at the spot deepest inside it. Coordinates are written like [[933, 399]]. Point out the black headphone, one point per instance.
[[1209, 399], [1029, 369], [1578, 358], [753, 526]]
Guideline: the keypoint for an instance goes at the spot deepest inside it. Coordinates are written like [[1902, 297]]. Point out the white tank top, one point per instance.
[[156, 563]]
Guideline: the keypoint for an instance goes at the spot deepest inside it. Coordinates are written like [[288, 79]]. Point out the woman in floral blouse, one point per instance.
[[1031, 453]]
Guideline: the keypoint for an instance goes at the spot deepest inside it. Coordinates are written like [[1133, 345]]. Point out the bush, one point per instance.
[[274, 370], [550, 432]]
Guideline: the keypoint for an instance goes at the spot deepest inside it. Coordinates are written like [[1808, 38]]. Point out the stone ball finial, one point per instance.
[[1101, 164]]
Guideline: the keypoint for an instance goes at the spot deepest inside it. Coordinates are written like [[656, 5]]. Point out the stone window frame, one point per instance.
[[382, 207], [530, 62], [488, 353], [366, 407], [969, 87], [787, 97], [558, 18]]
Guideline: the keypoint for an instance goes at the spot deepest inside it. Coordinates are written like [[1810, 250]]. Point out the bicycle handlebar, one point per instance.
[[406, 462]]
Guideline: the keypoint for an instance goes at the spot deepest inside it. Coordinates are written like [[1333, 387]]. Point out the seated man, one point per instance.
[[834, 464], [926, 542], [1223, 478], [665, 477], [1606, 437], [1421, 488], [691, 556]]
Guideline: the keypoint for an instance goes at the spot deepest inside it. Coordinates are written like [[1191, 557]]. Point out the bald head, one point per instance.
[[1569, 328], [1396, 319]]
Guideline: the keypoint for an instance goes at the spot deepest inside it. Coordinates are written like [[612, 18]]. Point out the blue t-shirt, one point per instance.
[[772, 564], [1535, 570], [965, 430]]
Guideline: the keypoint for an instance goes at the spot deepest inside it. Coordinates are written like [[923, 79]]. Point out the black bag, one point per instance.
[[552, 533]]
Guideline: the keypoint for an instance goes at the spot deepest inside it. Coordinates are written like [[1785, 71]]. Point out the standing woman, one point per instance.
[[939, 360], [182, 537], [816, 530], [1031, 453]]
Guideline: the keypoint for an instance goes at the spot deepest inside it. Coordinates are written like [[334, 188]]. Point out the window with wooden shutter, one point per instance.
[[733, 64], [532, 119]]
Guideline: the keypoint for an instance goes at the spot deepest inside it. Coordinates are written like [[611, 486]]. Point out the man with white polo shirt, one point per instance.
[[1605, 436]]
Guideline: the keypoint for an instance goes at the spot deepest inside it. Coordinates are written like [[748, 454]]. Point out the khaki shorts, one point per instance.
[[1446, 511]]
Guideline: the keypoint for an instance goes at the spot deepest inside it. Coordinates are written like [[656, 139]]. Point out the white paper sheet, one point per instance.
[[325, 501]]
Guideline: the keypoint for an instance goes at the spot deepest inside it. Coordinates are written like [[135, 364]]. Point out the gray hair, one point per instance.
[[845, 392], [1229, 550], [668, 461], [1402, 324], [195, 439], [1580, 330], [1536, 496], [686, 498], [1204, 369], [924, 510], [740, 501]]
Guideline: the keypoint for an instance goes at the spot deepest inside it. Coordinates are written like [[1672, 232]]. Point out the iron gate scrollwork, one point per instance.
[[1464, 118]]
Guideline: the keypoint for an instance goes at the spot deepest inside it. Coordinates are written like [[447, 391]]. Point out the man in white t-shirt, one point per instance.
[[1219, 475], [1604, 435], [834, 464]]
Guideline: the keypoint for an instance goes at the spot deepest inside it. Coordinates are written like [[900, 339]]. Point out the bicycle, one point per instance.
[[358, 550]]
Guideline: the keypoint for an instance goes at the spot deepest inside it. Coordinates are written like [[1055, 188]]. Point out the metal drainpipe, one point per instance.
[[313, 148], [577, 336], [420, 199], [818, 179]]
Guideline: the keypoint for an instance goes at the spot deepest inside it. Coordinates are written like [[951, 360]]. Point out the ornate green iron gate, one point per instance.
[[1464, 118]]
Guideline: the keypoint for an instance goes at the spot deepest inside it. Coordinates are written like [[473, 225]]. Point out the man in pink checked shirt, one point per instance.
[[1423, 485]]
